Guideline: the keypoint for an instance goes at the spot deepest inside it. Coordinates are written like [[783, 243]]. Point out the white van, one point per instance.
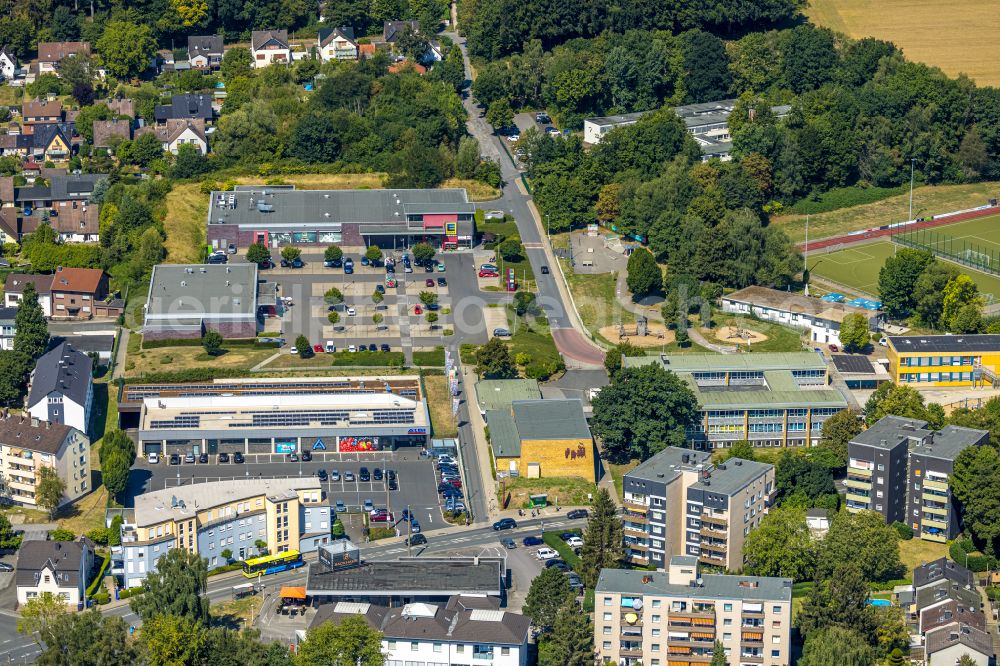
[[330, 347]]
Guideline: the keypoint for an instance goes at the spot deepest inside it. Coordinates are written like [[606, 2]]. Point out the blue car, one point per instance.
[[533, 541]]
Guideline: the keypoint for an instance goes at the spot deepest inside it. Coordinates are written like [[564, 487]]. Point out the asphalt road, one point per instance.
[[569, 341]]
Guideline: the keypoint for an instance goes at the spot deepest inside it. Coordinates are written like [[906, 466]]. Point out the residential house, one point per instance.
[[52, 141], [27, 445], [176, 133], [8, 63], [67, 187], [186, 107], [10, 225], [40, 111], [50, 54], [392, 29], [121, 106], [947, 645], [443, 635], [61, 388], [76, 221], [269, 47], [16, 144], [7, 327], [109, 133], [13, 290], [900, 469], [679, 503], [407, 65], [60, 568], [337, 44], [676, 617], [80, 293], [205, 52]]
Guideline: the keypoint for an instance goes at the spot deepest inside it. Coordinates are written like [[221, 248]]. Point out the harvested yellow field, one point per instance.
[[957, 36]]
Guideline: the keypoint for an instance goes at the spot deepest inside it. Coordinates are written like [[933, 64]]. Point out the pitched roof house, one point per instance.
[[57, 567], [13, 290], [105, 132], [337, 44], [78, 293], [270, 47], [52, 141], [205, 52], [8, 63], [76, 221], [392, 29], [121, 106], [41, 111], [61, 388], [50, 54], [176, 133], [186, 107]]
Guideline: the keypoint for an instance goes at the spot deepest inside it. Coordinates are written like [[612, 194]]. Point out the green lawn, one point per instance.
[[618, 472], [858, 268], [779, 338], [432, 358], [531, 336], [565, 491]]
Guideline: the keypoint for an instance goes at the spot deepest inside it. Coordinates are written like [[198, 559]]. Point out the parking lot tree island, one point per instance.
[[493, 361], [422, 252], [333, 253], [258, 253]]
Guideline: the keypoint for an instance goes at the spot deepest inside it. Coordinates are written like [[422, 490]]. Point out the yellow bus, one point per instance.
[[270, 564]]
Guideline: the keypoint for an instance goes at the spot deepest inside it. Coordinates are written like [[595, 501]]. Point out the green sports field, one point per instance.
[[858, 268]]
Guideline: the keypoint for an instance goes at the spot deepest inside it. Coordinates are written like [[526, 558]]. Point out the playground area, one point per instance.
[[739, 335], [858, 267], [652, 335]]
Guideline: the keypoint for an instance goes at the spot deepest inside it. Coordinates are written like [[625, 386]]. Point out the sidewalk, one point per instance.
[[480, 445]]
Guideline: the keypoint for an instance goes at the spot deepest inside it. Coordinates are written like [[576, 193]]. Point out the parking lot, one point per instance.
[[415, 476]]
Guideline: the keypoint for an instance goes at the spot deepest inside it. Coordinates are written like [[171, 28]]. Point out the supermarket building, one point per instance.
[[392, 218], [276, 415]]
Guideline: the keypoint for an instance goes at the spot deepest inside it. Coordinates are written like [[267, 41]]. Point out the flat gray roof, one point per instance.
[[503, 434], [620, 119], [501, 393], [756, 361], [269, 207], [747, 588], [670, 462], [949, 441], [180, 292], [733, 476], [953, 344], [408, 577]]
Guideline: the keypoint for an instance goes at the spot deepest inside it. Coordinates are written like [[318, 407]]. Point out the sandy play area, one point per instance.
[[658, 335], [727, 335]]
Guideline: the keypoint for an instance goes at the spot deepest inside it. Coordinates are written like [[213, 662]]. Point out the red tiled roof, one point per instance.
[[82, 280]]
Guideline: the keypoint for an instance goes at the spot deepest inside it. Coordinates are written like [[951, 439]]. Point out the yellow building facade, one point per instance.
[[944, 360], [542, 438]]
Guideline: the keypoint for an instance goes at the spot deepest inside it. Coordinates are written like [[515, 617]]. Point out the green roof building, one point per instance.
[[768, 399]]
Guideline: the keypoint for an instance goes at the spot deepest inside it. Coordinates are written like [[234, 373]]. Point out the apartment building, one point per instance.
[[209, 518], [674, 617], [899, 468], [768, 399], [944, 360], [27, 445], [61, 389], [679, 503]]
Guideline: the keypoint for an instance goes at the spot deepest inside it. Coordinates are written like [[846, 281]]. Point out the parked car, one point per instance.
[[576, 514], [546, 554], [416, 540], [348, 476], [532, 541], [293, 350], [7, 568], [377, 473], [417, 310], [348, 270], [390, 474], [429, 282], [293, 457], [559, 565], [514, 137], [508, 543], [505, 524], [441, 268], [223, 457], [318, 349], [414, 526], [380, 289], [385, 347], [574, 542], [429, 267], [175, 459], [382, 518], [203, 458], [339, 507], [501, 333], [297, 263], [372, 347], [321, 474], [365, 261], [442, 282], [306, 456], [369, 506], [334, 475], [552, 131], [266, 264], [238, 458], [351, 312], [834, 348], [153, 458], [364, 474], [393, 485]]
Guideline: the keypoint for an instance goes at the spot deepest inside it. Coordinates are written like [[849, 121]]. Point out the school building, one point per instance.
[[945, 360]]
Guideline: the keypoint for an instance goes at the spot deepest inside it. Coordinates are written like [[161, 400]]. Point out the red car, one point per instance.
[[455, 482], [318, 349], [488, 274], [417, 309], [382, 518], [428, 282]]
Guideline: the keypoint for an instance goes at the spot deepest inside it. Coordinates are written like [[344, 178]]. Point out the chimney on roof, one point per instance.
[[34, 422]]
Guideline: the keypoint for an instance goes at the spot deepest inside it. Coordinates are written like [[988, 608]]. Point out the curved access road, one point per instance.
[[568, 332]]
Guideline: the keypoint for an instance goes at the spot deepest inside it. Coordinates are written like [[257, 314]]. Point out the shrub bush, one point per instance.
[[961, 550], [905, 531], [60, 534]]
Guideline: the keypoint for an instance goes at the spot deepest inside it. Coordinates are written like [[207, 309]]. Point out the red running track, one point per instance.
[[879, 233]]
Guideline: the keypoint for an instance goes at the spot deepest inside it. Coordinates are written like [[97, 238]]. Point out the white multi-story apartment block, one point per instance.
[[674, 617]]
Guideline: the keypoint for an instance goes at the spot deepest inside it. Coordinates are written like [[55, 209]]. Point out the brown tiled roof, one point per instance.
[[366, 50], [69, 218], [56, 51], [122, 106], [950, 612], [8, 222], [406, 65], [173, 128], [6, 189], [14, 284], [18, 431], [104, 130], [38, 108], [80, 280]]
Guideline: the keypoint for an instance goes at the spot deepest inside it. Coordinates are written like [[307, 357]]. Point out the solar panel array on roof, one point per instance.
[[852, 363]]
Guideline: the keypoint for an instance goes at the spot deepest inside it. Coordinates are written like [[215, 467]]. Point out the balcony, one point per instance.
[[752, 658], [927, 521], [712, 559], [632, 517], [711, 530], [936, 485], [714, 545], [717, 520], [935, 508], [632, 531], [631, 543], [858, 495], [636, 507], [630, 652], [636, 558], [860, 484], [752, 638]]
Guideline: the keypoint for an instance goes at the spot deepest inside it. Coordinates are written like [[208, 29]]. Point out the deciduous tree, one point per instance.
[[374, 253], [864, 540], [854, 331], [49, 489], [836, 646], [644, 275], [352, 641], [170, 640], [898, 277], [127, 49], [547, 594], [975, 483], [422, 252], [781, 546], [838, 431], [493, 361], [643, 410], [175, 588], [32, 335], [212, 342]]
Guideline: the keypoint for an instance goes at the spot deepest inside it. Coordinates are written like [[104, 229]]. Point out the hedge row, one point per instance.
[[94, 584], [196, 342], [960, 551]]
